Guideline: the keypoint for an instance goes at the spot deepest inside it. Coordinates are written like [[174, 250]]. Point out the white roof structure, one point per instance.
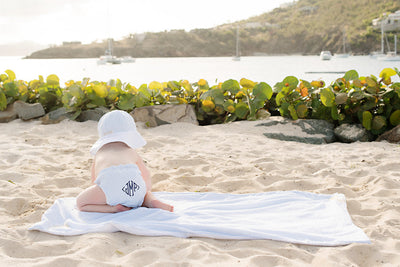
[[389, 22]]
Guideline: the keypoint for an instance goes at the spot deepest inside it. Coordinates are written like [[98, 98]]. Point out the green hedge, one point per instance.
[[373, 102]]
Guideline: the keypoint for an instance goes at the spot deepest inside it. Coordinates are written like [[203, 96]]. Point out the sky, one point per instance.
[[50, 22]]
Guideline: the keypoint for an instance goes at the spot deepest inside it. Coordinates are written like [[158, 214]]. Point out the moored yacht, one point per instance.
[[325, 55]]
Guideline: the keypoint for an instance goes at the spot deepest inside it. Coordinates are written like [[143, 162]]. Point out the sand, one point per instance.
[[40, 163]]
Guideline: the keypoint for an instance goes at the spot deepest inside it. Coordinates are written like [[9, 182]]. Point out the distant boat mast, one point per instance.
[[237, 55], [237, 42]]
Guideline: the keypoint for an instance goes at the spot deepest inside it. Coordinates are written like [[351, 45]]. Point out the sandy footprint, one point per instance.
[[231, 171], [158, 177], [178, 163], [14, 206], [239, 186], [194, 180]]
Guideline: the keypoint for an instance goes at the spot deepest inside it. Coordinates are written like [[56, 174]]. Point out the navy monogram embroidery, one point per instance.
[[130, 188]]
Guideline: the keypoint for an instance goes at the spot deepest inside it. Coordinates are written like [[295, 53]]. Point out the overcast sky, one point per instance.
[[55, 21]]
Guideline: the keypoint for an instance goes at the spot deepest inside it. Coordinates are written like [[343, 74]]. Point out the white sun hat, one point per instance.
[[117, 126]]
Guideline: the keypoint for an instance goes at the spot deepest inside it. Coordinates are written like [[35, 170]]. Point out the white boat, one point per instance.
[[108, 57], [325, 55], [377, 54], [235, 58], [391, 56], [342, 55], [128, 59]]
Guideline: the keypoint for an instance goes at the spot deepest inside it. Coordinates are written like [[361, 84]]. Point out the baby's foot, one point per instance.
[[119, 208], [161, 205]]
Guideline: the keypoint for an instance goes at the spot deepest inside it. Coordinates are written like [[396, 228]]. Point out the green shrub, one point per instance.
[[371, 101]]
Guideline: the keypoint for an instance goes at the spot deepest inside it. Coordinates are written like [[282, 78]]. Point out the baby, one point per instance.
[[121, 180]]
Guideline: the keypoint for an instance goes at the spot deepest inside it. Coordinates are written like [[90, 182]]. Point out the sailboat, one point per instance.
[[391, 56], [237, 56], [344, 54], [108, 57], [379, 54]]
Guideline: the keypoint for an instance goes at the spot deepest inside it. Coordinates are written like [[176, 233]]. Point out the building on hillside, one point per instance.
[[72, 43], [388, 23]]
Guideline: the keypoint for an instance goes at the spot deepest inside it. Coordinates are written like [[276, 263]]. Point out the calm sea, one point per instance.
[[269, 69]]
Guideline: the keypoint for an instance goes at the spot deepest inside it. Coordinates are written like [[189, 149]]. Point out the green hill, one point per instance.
[[303, 27]]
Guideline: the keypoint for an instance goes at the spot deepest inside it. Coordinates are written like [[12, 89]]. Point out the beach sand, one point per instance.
[[40, 163]]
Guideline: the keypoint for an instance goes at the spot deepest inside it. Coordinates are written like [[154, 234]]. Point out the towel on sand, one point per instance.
[[290, 216]]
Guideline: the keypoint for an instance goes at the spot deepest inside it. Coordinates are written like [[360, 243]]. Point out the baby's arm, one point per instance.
[[150, 200]]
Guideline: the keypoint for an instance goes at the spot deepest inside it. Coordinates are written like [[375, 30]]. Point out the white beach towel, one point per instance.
[[291, 216]]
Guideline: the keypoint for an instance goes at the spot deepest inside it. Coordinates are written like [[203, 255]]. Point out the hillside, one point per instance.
[[304, 27]]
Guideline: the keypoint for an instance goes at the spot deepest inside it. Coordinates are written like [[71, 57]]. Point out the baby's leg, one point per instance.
[[93, 199], [151, 201]]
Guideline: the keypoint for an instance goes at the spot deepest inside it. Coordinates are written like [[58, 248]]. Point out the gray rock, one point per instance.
[[8, 114], [165, 114], [348, 133], [57, 115], [146, 115], [304, 131], [28, 111], [392, 136], [92, 114], [262, 114]]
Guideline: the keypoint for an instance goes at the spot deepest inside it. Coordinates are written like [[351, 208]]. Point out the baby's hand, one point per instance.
[[161, 205]]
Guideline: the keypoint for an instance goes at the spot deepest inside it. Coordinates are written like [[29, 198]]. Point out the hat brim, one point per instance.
[[133, 139]]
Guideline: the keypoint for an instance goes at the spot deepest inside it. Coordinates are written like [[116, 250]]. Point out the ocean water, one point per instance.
[[269, 69]]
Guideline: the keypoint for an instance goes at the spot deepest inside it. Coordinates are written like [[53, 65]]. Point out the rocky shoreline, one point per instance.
[[309, 131]]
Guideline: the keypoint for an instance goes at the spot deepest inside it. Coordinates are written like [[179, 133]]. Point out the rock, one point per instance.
[[92, 114], [305, 131], [262, 114], [165, 114], [145, 115], [392, 136], [8, 114], [348, 133], [28, 111], [57, 115]]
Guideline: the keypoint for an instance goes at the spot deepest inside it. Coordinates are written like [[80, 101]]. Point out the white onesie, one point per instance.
[[122, 184]]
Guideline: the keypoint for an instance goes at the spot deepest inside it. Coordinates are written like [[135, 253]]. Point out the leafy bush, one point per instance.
[[373, 102], [48, 92], [231, 100]]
